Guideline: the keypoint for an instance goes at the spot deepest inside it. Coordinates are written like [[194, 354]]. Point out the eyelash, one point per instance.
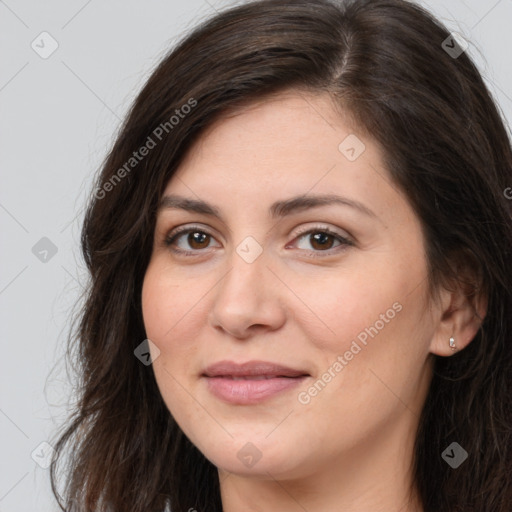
[[344, 242]]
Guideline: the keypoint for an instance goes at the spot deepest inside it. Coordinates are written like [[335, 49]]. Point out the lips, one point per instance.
[[252, 382], [253, 370]]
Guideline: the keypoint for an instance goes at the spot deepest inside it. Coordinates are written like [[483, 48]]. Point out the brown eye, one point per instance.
[[198, 240], [189, 240], [321, 241]]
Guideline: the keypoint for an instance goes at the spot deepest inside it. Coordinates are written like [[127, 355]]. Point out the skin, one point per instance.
[[300, 304]]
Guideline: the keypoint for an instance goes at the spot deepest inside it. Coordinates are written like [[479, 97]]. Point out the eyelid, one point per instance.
[[324, 228], [186, 228]]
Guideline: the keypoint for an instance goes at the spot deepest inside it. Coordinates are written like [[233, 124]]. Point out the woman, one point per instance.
[[300, 294]]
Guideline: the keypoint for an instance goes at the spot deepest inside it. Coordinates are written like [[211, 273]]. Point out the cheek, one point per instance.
[[342, 306], [370, 329], [174, 310], [166, 303]]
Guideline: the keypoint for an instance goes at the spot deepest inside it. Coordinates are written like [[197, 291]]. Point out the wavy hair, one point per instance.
[[446, 147]]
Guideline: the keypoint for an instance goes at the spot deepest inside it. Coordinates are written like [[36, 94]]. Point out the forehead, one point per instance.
[[291, 137]]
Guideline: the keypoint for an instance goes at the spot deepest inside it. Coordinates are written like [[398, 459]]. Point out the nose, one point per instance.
[[248, 299]]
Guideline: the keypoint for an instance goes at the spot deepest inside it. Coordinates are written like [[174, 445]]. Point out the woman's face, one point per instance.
[[301, 257]]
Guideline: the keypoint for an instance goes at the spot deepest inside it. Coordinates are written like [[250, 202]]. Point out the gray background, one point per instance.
[[58, 118]]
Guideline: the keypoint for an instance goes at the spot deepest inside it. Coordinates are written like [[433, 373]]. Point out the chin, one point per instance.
[[259, 459]]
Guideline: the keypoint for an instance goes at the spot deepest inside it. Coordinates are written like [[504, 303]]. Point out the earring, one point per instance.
[[452, 343]]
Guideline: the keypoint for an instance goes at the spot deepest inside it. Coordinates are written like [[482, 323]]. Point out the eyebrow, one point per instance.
[[278, 209]]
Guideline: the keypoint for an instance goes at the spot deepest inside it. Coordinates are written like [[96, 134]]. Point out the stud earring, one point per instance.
[[452, 343]]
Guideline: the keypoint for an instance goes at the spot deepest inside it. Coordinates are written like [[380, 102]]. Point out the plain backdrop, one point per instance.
[[59, 114]]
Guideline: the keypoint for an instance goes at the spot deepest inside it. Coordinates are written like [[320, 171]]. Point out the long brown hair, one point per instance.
[[446, 147]]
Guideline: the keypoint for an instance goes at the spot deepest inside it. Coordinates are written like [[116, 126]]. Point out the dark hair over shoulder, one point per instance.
[[446, 148]]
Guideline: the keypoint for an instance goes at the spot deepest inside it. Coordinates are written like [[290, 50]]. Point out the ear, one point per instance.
[[460, 316]]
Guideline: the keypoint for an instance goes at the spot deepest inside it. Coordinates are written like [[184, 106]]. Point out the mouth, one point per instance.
[[251, 382], [251, 370], [254, 377]]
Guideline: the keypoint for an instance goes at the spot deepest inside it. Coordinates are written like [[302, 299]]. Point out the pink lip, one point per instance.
[[258, 380]]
